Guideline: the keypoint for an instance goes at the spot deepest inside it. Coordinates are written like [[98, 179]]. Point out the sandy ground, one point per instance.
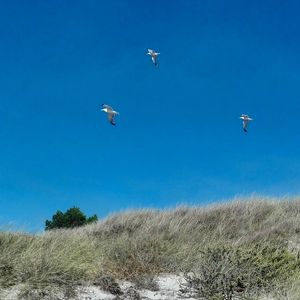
[[168, 290], [169, 286]]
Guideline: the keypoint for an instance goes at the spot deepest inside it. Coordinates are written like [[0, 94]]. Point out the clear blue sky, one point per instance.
[[178, 137]]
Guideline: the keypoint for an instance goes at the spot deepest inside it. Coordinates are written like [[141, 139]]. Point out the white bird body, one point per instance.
[[111, 113], [246, 119], [153, 55]]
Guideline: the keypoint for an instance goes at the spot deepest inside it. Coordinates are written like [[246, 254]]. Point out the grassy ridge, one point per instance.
[[135, 244]]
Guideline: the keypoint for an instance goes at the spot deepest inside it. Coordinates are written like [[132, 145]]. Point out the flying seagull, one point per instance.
[[111, 113], [153, 55], [246, 120]]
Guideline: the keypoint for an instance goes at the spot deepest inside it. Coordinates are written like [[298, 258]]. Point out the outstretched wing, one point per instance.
[[107, 106]]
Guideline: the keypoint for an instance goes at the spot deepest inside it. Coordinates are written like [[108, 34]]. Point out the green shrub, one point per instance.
[[73, 217]]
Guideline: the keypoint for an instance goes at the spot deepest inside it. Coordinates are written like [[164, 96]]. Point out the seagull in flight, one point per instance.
[[246, 120], [153, 55], [111, 113]]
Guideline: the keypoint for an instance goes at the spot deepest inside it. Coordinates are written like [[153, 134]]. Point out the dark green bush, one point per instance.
[[73, 217]]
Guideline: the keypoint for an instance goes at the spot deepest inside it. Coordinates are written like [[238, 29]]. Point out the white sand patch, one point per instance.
[[94, 293], [169, 286]]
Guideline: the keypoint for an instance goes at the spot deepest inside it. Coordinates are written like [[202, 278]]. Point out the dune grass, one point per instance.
[[131, 245]]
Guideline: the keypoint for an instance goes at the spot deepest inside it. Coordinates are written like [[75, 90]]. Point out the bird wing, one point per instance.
[[107, 106], [153, 59], [150, 51]]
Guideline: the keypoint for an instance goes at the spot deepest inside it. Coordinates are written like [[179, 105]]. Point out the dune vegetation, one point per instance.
[[243, 249]]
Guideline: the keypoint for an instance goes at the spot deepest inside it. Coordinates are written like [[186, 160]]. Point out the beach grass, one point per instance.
[[258, 236]]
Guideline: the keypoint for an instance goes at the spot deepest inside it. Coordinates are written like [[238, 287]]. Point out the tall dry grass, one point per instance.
[[133, 244]]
